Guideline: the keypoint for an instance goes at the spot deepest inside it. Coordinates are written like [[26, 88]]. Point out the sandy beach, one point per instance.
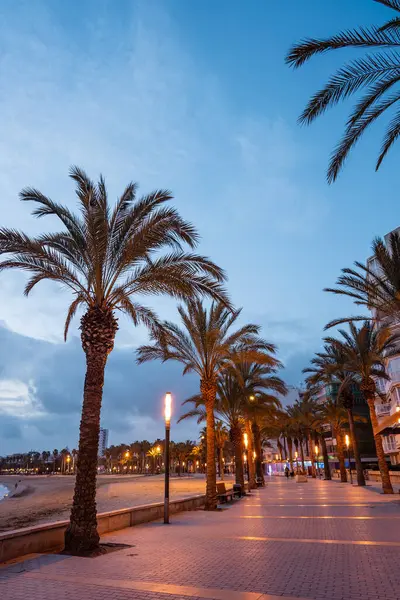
[[49, 498]]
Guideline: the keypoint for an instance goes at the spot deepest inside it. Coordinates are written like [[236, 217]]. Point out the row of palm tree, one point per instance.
[[361, 354], [144, 457], [62, 461], [235, 368], [110, 258]]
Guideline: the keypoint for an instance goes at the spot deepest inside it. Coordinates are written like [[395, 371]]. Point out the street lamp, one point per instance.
[[347, 442], [68, 461], [167, 417], [296, 456]]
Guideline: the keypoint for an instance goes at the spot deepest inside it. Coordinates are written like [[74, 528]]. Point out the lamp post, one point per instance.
[[167, 417], [347, 442], [316, 459], [296, 456]]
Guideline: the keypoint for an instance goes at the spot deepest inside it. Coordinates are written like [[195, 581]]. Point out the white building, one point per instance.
[[387, 404], [103, 441]]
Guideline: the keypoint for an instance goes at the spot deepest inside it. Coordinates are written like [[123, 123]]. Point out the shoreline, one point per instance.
[[44, 499]]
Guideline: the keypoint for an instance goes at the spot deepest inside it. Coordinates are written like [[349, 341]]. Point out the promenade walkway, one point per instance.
[[319, 540]]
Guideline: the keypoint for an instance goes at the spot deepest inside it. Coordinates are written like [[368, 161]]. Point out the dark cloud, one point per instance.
[[132, 400]]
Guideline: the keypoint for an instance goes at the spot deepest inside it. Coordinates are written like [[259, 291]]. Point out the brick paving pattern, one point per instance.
[[272, 544]]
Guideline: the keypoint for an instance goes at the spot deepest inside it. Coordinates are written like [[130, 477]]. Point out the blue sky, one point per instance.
[[193, 96]]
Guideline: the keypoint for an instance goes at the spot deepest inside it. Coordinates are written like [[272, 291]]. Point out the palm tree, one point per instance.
[[376, 73], [107, 257], [308, 412], [259, 385], [221, 436], [333, 412], [55, 456], [365, 350], [375, 285], [206, 346], [327, 369]]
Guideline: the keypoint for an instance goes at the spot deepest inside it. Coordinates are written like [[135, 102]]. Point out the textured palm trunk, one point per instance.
[[250, 458], [208, 390], [327, 471], [359, 469], [290, 451], [220, 464], [236, 436], [284, 447], [383, 466], [340, 452], [302, 455], [258, 449], [312, 458], [98, 329]]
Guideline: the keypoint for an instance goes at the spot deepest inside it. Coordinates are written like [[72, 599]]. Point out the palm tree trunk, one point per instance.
[[383, 467], [290, 450], [359, 469], [327, 471], [284, 446], [98, 332], [220, 464], [209, 391], [340, 452], [302, 455], [311, 455], [257, 447], [250, 459], [236, 435]]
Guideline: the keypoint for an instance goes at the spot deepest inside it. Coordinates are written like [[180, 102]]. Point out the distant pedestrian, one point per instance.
[[286, 472]]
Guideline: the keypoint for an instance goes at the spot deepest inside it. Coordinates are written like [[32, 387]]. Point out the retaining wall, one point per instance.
[[49, 537]]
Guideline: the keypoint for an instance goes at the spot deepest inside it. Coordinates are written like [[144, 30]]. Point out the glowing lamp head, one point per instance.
[[246, 440], [397, 408], [168, 408], [252, 398], [158, 449], [127, 454], [347, 440], [254, 455], [296, 454], [244, 457], [316, 450]]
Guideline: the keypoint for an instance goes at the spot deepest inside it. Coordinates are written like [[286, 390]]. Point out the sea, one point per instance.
[[3, 491]]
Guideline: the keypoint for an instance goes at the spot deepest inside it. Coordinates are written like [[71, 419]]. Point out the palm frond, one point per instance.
[[355, 38]]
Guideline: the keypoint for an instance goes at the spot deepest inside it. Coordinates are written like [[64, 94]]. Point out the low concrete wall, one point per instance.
[[376, 476], [50, 536]]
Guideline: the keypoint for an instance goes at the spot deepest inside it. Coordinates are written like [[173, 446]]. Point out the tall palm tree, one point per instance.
[[221, 436], [259, 385], [376, 73], [308, 414], [375, 285], [333, 412], [365, 350], [207, 346], [107, 257], [328, 369]]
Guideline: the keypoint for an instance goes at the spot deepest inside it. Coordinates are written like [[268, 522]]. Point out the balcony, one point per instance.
[[394, 376], [389, 444], [383, 410]]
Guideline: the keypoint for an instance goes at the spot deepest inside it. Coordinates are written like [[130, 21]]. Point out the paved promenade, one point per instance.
[[319, 540]]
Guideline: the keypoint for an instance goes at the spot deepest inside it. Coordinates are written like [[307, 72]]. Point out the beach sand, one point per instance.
[[49, 497]]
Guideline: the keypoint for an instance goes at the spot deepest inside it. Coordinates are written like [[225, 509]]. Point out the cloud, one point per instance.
[[123, 96]]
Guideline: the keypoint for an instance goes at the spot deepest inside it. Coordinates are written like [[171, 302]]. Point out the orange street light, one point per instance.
[[246, 440], [347, 441], [168, 408]]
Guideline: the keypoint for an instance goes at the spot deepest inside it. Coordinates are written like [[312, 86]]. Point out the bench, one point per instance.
[[223, 494]]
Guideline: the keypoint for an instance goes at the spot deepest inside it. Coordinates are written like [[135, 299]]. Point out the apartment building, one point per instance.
[[387, 403]]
